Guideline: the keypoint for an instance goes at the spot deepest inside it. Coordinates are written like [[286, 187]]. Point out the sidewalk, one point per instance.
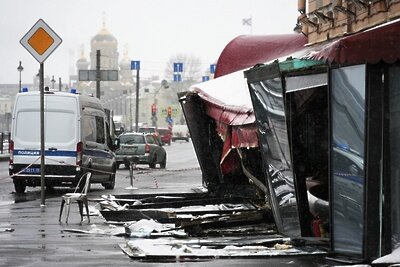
[[32, 235]]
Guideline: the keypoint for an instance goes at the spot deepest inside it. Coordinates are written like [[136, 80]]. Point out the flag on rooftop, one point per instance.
[[247, 21]]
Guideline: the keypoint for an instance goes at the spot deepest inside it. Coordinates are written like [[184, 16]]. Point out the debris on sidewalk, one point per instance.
[[177, 227], [6, 229], [177, 250], [112, 230], [151, 228]]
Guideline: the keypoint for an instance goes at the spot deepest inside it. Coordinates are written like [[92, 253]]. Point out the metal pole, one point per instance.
[[42, 171], [98, 77], [130, 110], [137, 101], [156, 103], [20, 81], [20, 69], [52, 82]]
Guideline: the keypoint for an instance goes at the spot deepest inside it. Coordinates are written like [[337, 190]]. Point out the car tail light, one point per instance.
[[147, 148], [79, 151], [11, 150]]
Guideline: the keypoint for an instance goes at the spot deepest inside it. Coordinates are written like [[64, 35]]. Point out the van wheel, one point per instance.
[[19, 186], [111, 183]]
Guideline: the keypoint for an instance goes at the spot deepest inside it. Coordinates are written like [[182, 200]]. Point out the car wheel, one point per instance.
[[153, 163], [111, 183], [163, 163], [19, 186]]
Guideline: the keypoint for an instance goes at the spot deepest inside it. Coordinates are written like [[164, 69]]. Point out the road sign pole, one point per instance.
[[137, 101], [42, 170], [98, 77], [41, 41]]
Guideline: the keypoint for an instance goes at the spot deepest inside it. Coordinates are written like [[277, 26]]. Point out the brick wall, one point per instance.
[[327, 19]]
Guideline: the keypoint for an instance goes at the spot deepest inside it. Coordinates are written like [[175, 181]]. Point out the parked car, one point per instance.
[[146, 147], [152, 130], [180, 132], [165, 135]]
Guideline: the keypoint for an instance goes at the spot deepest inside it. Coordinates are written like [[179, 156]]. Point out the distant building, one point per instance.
[[120, 96]]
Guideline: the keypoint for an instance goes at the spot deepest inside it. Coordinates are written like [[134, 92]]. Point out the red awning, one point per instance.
[[381, 43], [245, 51], [227, 101]]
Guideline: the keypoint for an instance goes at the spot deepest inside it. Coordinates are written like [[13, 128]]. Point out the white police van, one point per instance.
[[77, 140]]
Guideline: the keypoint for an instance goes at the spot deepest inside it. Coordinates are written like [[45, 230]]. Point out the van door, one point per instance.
[[61, 133], [97, 155]]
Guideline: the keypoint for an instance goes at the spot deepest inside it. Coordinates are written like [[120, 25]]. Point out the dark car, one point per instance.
[[146, 147], [165, 135]]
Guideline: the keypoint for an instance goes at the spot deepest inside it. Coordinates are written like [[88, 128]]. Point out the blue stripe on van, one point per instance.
[[50, 153]]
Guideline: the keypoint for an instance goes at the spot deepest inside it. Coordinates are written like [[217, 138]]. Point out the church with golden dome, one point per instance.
[[107, 44], [119, 96]]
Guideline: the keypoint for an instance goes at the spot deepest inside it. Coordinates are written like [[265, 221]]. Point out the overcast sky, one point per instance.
[[153, 30]]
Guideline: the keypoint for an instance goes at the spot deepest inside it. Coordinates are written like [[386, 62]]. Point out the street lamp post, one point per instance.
[[59, 84], [20, 69]]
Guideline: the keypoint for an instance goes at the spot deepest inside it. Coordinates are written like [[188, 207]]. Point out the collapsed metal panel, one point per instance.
[[203, 137], [266, 92]]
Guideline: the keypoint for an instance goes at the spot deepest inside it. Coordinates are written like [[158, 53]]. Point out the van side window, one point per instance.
[[100, 133], [93, 129], [89, 128]]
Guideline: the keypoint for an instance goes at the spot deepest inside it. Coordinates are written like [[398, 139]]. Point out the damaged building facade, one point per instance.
[[310, 122]]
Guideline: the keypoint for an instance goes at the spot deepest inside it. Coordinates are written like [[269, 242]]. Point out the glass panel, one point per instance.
[[100, 137], [150, 139], [89, 128], [394, 108], [348, 137], [131, 139], [268, 103]]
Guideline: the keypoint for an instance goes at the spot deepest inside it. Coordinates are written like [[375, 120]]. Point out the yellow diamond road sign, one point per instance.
[[40, 41]]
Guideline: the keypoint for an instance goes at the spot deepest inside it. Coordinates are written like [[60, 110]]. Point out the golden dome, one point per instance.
[[104, 36]]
